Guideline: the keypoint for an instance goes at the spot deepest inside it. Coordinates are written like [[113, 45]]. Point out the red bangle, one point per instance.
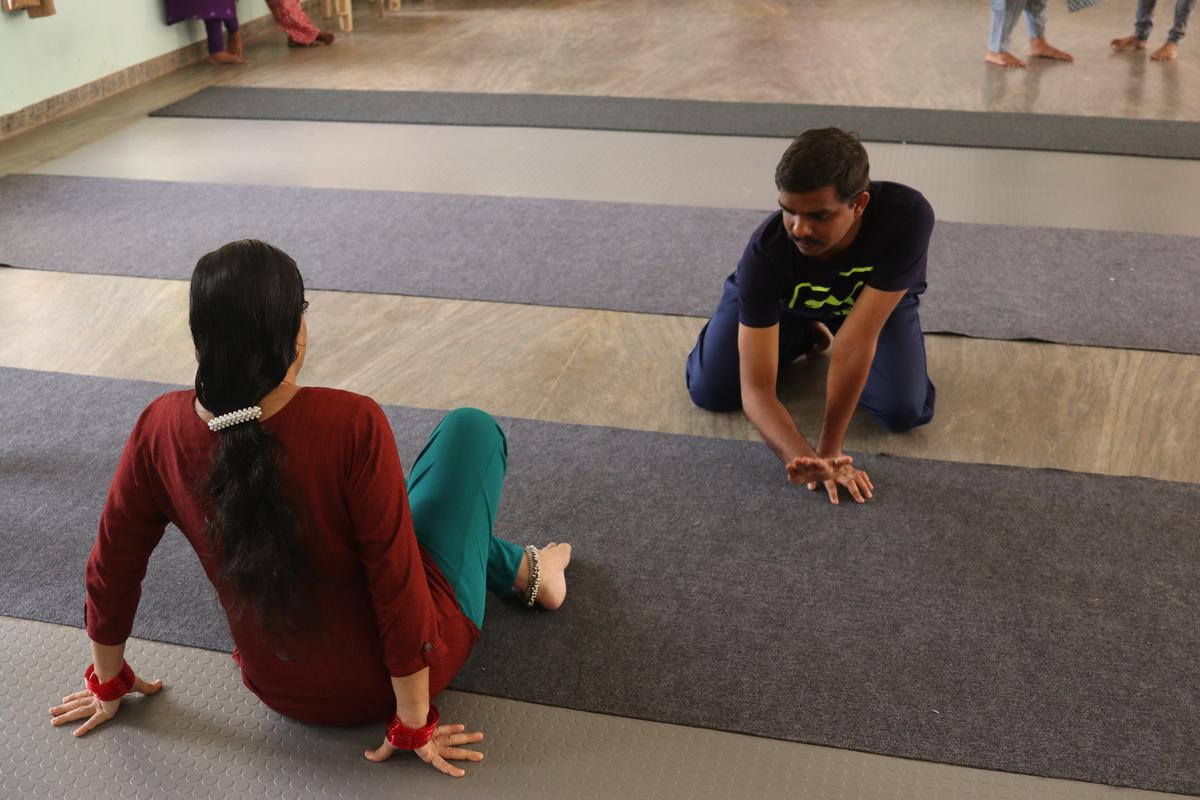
[[403, 737], [113, 688]]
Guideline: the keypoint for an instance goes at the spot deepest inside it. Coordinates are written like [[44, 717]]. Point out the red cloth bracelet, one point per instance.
[[112, 689], [403, 737]]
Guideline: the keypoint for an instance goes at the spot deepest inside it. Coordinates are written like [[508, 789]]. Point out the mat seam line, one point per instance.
[[566, 365]]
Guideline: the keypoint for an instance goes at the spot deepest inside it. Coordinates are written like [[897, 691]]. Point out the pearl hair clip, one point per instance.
[[234, 418]]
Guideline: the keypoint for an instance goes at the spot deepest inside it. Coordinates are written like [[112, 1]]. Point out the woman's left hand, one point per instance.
[[84, 704]]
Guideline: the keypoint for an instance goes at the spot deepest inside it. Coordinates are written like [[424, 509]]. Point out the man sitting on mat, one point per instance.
[[839, 266], [353, 596]]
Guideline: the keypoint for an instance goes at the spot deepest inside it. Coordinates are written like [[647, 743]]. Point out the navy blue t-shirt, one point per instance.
[[887, 254]]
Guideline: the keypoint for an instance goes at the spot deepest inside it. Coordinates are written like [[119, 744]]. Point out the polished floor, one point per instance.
[[1028, 404]]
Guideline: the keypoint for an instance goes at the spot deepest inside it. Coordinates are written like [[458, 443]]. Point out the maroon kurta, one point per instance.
[[382, 607]]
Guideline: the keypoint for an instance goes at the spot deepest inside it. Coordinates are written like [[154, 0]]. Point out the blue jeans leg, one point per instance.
[[1183, 10], [1035, 18], [1005, 14]]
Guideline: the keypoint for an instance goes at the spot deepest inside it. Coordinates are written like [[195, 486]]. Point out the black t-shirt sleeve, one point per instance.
[[907, 250], [758, 289]]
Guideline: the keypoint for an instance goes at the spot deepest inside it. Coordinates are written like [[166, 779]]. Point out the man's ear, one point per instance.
[[859, 205]]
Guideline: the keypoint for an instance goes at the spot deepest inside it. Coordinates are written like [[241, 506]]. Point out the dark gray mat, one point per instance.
[[1134, 137], [1025, 620], [1105, 288]]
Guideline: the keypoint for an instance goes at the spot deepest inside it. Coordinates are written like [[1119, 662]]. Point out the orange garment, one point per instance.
[[294, 21]]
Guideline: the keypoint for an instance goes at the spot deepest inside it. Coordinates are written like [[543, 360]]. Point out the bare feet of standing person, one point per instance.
[[1168, 52], [1040, 48], [225, 57], [1127, 43], [1005, 59], [237, 48]]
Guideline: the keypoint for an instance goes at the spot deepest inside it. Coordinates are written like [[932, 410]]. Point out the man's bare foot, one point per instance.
[[1127, 43], [1005, 59], [822, 338], [1040, 48], [1168, 52], [225, 57], [552, 590], [236, 48], [325, 37]]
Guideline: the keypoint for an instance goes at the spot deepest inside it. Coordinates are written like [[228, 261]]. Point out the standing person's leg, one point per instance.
[[1183, 10], [1004, 15], [217, 51], [1035, 17], [454, 491], [236, 48], [899, 393], [713, 367], [1170, 50], [216, 37], [1143, 21]]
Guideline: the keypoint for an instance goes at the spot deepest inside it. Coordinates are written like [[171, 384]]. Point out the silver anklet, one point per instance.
[[535, 575]]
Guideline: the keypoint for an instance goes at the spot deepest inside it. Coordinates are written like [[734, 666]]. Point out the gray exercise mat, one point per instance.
[[1074, 134], [1104, 288], [1031, 621]]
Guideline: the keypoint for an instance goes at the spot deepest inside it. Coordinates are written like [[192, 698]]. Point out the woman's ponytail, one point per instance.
[[246, 304]]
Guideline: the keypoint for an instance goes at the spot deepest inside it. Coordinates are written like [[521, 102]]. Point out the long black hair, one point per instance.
[[246, 305]]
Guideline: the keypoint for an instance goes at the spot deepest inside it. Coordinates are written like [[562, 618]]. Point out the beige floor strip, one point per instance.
[[1032, 405], [1007, 187]]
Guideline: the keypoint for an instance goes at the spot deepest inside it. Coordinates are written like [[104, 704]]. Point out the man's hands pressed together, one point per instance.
[[856, 481]]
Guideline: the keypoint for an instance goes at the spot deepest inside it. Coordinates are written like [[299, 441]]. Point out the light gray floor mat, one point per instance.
[[1105, 288], [206, 736]]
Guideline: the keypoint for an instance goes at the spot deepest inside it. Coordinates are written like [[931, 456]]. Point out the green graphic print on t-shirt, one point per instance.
[[819, 296]]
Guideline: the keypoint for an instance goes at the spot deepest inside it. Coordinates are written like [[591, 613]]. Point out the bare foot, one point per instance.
[[822, 338], [224, 57], [313, 43], [325, 37], [236, 48], [1040, 48], [1168, 52], [1005, 59], [1127, 43], [552, 589]]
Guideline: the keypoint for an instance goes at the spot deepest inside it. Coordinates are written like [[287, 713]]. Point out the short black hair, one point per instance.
[[825, 157]]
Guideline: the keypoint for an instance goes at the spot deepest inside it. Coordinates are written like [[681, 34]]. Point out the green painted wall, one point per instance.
[[86, 40]]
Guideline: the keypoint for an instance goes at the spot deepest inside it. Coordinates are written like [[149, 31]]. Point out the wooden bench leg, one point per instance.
[[327, 8], [345, 14]]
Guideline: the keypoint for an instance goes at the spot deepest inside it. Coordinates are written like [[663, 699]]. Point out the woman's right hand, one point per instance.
[[446, 743]]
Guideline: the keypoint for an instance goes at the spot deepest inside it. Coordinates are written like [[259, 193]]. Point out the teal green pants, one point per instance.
[[454, 491]]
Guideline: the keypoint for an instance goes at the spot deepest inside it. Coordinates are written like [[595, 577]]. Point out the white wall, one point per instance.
[[86, 40]]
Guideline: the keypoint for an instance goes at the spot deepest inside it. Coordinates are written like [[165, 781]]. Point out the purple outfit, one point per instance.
[[212, 12]]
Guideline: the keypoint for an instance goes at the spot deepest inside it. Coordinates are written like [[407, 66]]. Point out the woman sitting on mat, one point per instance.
[[352, 597]]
